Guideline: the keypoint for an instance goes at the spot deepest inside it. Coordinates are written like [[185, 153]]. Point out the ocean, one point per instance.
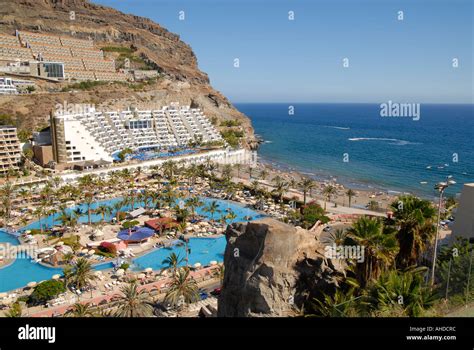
[[354, 145]]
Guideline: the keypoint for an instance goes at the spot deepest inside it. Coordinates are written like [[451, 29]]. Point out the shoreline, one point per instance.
[[343, 180]]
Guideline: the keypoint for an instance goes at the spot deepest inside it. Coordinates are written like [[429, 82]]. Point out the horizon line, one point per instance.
[[366, 103]]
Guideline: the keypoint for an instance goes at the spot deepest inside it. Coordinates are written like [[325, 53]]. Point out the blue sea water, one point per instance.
[[384, 153]]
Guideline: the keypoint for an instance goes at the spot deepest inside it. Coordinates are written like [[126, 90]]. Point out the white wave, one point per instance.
[[391, 141], [337, 127]]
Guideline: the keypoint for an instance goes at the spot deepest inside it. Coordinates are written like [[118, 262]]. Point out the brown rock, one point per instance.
[[273, 269]]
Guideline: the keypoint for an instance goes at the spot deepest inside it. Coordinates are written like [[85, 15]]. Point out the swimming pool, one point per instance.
[[149, 154], [203, 250], [240, 211]]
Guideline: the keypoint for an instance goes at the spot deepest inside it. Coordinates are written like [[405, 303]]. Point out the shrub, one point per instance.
[[312, 212], [130, 224], [125, 266], [46, 291]]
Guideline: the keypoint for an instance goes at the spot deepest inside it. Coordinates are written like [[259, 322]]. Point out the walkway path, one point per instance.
[[202, 275]]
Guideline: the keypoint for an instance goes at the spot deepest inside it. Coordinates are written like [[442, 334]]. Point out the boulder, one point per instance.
[[273, 269]]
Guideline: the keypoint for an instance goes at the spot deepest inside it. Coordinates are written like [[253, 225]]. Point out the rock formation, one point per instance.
[[273, 269]]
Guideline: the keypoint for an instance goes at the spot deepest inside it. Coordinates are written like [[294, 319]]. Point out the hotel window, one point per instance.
[[54, 70]]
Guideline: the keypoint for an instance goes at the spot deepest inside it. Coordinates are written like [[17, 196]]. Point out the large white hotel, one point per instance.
[[91, 135]]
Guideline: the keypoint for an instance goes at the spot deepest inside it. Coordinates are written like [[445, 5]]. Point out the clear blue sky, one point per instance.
[[301, 60]]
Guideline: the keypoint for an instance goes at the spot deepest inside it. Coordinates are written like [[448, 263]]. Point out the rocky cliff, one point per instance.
[[180, 81], [273, 269]]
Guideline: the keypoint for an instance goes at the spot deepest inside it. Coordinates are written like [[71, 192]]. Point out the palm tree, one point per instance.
[[337, 237], [39, 212], [306, 185], [263, 174], [280, 188], [133, 302], [193, 203], [350, 193], [212, 208], [227, 172], [116, 207], [169, 168], [379, 244], [68, 275], [103, 210], [88, 200], [231, 216], [68, 257], [156, 199], [6, 193], [80, 310], [403, 293], [183, 289], [192, 172], [83, 274], [172, 262], [328, 192], [415, 220], [340, 304]]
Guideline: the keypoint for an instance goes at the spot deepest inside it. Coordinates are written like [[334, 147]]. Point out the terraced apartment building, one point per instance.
[[55, 57], [10, 151], [91, 135]]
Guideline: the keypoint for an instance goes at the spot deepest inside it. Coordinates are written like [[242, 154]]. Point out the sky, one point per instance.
[[302, 60]]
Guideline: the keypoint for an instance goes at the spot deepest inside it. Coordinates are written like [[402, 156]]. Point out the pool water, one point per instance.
[[240, 211], [203, 250]]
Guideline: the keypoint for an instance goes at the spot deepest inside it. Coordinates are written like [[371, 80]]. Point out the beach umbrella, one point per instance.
[[31, 284], [148, 270], [197, 265], [84, 251], [141, 276], [56, 277], [91, 252], [120, 272], [213, 263]]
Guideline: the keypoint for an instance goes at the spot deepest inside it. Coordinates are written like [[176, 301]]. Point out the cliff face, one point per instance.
[[273, 269], [181, 80]]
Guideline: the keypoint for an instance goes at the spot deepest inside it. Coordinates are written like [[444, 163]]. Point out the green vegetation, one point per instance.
[[24, 135], [72, 241], [119, 49], [129, 224], [392, 279], [133, 302], [84, 85], [312, 213], [231, 123], [46, 291], [7, 120], [123, 153], [125, 266], [232, 137], [129, 53]]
